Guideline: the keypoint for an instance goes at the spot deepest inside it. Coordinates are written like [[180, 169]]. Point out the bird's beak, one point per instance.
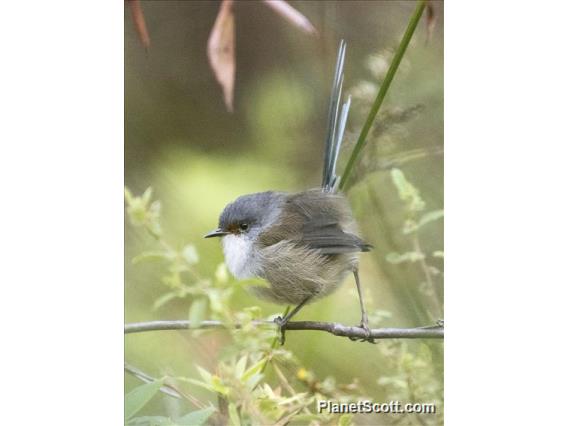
[[216, 233]]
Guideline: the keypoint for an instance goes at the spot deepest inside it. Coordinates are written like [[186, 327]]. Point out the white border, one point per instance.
[[61, 174], [506, 212], [61, 214]]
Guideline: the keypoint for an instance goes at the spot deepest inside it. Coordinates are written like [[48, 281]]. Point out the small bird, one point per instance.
[[304, 244]]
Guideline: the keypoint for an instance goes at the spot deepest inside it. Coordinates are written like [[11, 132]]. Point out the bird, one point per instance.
[[303, 244]]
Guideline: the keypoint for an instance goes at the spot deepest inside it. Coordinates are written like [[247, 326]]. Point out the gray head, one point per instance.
[[248, 214]]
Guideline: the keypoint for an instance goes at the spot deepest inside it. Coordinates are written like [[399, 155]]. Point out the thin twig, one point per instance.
[[168, 389], [427, 273], [428, 332]]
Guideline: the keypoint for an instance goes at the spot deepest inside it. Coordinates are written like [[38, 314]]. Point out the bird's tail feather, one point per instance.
[[336, 125]]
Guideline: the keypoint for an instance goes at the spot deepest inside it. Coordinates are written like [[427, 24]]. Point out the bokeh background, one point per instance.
[[181, 140]]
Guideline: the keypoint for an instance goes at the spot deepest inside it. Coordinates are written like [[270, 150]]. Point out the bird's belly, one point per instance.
[[295, 273], [240, 256]]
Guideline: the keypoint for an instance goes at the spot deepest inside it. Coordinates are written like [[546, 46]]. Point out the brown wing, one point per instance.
[[316, 219]]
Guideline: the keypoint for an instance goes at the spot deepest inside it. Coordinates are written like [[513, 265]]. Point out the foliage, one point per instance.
[[240, 380], [383, 89], [240, 383], [414, 221]]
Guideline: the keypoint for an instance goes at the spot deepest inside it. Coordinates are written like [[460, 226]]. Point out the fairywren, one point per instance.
[[304, 244]]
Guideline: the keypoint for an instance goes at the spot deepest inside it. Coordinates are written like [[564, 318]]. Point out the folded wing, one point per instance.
[[317, 220]]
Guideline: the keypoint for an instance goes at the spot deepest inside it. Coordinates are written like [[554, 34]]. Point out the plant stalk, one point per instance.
[[412, 24]]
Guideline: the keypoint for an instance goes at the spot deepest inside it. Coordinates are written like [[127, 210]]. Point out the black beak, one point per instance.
[[216, 233]]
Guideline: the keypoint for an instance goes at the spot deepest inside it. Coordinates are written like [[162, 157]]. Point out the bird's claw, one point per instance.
[[281, 323], [365, 326]]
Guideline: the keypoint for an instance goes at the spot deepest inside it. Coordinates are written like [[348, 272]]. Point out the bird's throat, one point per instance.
[[240, 256]]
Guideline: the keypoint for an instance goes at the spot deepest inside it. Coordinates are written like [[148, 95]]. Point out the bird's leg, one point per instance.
[[364, 317], [283, 321]]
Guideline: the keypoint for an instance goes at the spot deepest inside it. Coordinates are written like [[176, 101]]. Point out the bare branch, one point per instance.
[[429, 332]]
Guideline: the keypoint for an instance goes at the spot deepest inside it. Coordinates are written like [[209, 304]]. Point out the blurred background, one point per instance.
[[197, 157]]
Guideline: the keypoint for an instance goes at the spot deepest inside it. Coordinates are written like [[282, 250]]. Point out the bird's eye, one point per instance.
[[244, 226]]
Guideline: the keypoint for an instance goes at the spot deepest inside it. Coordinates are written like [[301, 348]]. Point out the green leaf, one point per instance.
[[139, 397], [291, 399], [218, 385], [409, 227], [345, 420], [197, 312], [155, 209], [240, 366], [256, 368], [148, 256], [254, 380], [399, 181], [196, 418], [221, 274], [234, 415], [267, 405], [147, 196], [438, 253], [406, 191], [151, 421], [153, 225], [197, 383], [136, 212], [216, 300], [393, 381], [411, 256], [377, 316], [306, 418], [254, 311], [214, 386], [211, 382], [163, 299], [430, 217], [190, 255], [206, 375]]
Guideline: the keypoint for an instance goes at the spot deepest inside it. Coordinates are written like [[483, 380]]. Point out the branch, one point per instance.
[[146, 378], [167, 388], [429, 332]]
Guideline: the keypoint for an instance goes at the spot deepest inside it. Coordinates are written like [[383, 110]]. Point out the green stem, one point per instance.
[[415, 18]]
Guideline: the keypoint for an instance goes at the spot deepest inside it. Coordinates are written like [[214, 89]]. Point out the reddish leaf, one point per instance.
[[292, 15], [221, 51], [430, 20], [139, 23]]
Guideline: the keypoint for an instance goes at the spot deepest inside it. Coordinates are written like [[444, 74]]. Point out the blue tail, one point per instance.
[[335, 126]]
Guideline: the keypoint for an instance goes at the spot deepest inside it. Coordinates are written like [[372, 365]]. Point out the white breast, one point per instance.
[[239, 256]]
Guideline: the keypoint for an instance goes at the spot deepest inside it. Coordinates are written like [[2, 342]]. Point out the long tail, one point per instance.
[[335, 126]]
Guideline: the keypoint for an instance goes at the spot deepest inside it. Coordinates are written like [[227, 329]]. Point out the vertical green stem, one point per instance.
[[415, 18]]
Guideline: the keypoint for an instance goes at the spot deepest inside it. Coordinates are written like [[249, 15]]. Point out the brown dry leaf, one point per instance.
[[430, 21], [139, 22], [292, 15], [221, 51]]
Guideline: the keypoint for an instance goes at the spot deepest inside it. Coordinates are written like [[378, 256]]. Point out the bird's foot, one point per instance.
[[281, 323], [364, 324]]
